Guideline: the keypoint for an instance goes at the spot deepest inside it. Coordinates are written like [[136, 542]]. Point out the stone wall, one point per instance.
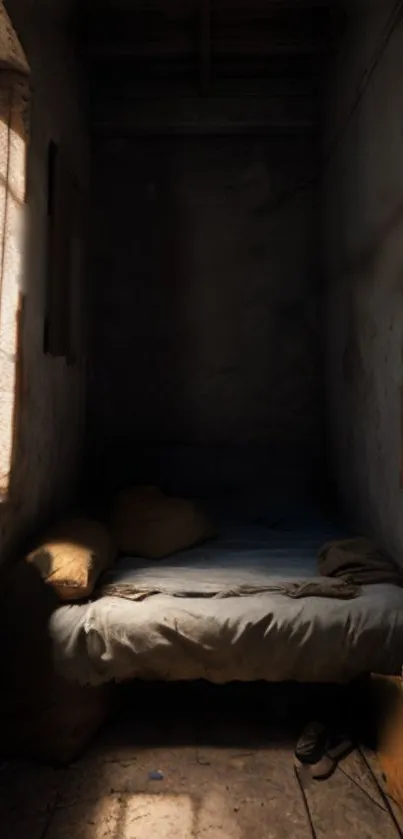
[[204, 294], [363, 191]]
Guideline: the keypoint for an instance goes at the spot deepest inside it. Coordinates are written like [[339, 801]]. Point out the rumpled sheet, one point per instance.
[[243, 562], [261, 636], [359, 562]]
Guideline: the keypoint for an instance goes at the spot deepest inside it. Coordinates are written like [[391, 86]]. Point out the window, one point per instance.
[[14, 101], [14, 96]]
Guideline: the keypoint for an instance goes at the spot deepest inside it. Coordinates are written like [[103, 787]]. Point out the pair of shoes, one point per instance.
[[318, 752]]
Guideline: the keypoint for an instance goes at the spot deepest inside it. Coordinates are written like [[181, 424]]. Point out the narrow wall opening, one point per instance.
[[14, 101]]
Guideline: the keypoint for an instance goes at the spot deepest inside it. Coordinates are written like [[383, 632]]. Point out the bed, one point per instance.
[[214, 613]]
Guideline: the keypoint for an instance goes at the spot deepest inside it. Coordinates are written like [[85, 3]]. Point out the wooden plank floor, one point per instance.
[[225, 776], [209, 792]]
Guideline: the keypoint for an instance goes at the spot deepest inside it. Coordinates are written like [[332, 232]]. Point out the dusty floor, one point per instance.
[[224, 775]]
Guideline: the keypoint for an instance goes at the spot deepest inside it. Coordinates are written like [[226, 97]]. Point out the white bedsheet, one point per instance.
[[264, 636]]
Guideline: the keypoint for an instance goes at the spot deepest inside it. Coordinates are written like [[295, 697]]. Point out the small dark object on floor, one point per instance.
[[311, 745], [156, 776], [318, 751]]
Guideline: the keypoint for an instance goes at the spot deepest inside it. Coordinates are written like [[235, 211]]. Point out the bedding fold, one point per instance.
[[218, 635], [245, 561], [358, 562], [318, 587]]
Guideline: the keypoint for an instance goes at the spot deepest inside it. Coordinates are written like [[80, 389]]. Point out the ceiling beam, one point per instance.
[[205, 45], [182, 48], [133, 86], [182, 7], [204, 116], [148, 18], [132, 34]]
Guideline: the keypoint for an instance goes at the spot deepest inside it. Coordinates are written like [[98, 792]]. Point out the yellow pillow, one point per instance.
[[149, 524], [72, 556]]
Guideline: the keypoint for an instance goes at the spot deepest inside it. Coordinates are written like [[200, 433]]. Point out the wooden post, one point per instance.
[[205, 46]]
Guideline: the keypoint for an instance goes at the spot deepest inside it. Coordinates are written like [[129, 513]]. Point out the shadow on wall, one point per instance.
[[205, 307]]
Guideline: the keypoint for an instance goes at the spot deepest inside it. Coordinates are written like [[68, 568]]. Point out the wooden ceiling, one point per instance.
[[219, 38], [220, 49]]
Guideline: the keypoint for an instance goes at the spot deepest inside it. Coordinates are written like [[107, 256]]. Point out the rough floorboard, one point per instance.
[[348, 806], [206, 792], [376, 769], [355, 770], [239, 787], [27, 798]]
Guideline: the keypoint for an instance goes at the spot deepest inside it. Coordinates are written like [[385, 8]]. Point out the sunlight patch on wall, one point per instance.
[[12, 55], [12, 197]]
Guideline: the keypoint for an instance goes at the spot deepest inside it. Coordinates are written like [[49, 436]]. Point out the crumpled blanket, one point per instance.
[[358, 562], [315, 587], [344, 566]]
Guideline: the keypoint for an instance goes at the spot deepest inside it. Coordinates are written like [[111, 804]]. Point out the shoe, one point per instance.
[[317, 752]]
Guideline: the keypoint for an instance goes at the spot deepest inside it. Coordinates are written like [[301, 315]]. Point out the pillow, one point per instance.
[[149, 524], [72, 556]]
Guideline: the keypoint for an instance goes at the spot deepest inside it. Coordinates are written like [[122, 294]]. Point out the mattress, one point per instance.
[[186, 630]]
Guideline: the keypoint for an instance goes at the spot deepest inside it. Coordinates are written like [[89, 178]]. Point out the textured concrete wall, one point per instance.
[[51, 409], [205, 293], [364, 259]]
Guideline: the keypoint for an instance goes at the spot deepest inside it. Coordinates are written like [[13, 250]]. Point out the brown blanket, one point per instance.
[[358, 562], [344, 567], [317, 587]]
